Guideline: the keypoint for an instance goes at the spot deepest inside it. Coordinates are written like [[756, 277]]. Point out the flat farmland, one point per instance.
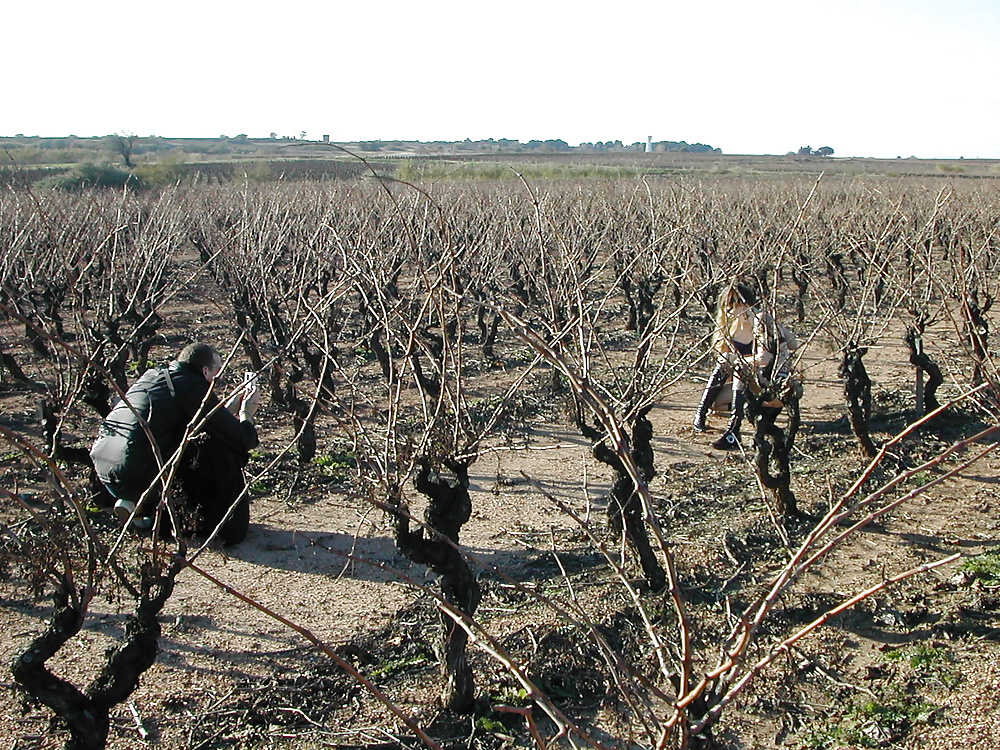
[[479, 514]]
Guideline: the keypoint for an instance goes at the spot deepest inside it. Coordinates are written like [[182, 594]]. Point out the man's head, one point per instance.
[[201, 358]]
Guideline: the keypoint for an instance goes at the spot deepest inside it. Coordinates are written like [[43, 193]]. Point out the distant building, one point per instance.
[[649, 144]]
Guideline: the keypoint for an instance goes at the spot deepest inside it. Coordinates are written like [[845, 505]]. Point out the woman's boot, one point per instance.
[[716, 381], [730, 439]]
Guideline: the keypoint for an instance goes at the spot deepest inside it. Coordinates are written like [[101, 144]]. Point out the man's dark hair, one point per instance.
[[198, 355]]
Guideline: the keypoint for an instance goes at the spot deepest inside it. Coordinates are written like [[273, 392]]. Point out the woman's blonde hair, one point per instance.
[[728, 297]]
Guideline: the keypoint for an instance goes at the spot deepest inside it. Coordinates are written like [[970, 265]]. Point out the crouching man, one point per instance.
[[210, 470]]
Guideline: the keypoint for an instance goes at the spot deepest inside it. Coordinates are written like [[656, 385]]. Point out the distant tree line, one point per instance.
[[132, 150], [682, 146], [126, 148], [808, 151]]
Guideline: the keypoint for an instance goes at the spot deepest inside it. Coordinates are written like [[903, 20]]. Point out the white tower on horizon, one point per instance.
[[649, 144]]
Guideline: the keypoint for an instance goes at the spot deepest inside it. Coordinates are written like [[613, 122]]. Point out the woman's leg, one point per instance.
[[730, 439], [716, 381]]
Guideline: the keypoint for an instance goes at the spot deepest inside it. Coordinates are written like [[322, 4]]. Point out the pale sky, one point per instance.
[[880, 78]]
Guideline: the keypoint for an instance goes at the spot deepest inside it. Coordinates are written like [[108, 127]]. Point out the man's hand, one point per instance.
[[233, 402], [249, 405]]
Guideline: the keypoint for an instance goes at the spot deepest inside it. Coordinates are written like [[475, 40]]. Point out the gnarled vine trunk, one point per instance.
[[625, 508], [773, 445], [450, 507], [86, 713], [858, 391], [924, 392], [979, 329]]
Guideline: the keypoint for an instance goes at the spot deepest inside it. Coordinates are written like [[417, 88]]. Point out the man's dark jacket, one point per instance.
[[166, 398]]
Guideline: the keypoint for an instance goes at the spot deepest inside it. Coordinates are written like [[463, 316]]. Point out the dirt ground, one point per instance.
[[228, 675]]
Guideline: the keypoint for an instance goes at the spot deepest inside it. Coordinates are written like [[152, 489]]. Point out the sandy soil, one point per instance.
[[219, 656]]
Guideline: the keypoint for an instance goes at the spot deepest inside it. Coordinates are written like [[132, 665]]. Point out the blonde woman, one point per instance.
[[750, 345]]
